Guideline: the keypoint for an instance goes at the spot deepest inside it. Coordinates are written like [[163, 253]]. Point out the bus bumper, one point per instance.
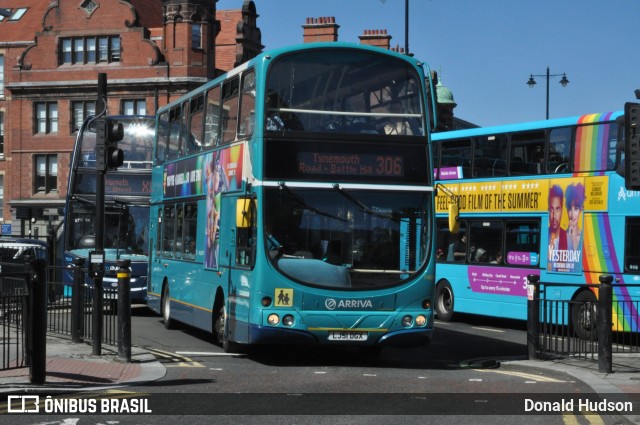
[[407, 338], [276, 336], [269, 335]]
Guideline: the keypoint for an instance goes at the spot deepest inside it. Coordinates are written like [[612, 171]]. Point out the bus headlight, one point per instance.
[[273, 319], [407, 321], [421, 320], [266, 301], [288, 320], [426, 304]]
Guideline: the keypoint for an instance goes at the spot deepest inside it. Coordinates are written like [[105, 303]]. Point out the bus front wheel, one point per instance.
[[166, 308], [221, 334], [444, 301], [584, 314]]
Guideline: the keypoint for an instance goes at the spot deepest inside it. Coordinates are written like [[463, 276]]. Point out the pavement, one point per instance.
[[73, 367]]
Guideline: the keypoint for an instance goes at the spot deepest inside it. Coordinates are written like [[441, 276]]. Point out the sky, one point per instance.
[[485, 51]]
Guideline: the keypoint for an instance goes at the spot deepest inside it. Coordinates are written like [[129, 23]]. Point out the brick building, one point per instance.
[[51, 52]]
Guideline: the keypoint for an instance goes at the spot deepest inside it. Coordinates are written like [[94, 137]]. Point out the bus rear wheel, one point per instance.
[[444, 301], [584, 315]]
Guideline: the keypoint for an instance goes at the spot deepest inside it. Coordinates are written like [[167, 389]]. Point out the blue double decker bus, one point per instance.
[[127, 191], [292, 201]]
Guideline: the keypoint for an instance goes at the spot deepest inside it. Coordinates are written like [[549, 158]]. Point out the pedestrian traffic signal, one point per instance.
[[108, 133]]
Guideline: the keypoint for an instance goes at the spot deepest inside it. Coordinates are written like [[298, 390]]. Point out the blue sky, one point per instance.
[[485, 50]]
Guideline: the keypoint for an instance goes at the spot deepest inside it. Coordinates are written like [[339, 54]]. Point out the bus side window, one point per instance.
[[247, 105], [527, 153], [175, 129], [212, 119], [522, 237], [457, 153], [230, 100], [559, 147], [163, 137], [485, 239], [168, 231], [189, 231], [196, 124]]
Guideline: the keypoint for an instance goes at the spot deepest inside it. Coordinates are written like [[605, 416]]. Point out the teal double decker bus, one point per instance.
[[292, 201]]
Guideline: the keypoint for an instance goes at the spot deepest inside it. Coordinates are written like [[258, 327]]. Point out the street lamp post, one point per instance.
[[564, 81]]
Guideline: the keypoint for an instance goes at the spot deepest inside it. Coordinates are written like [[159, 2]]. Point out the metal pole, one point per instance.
[[548, 77], [406, 27], [533, 315], [38, 345], [98, 311], [77, 301], [604, 324], [124, 310]]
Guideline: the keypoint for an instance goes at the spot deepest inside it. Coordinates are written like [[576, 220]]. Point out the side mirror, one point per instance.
[[244, 212], [454, 219]]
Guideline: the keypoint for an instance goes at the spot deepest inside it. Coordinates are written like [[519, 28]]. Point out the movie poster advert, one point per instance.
[[561, 201], [211, 174], [566, 203]]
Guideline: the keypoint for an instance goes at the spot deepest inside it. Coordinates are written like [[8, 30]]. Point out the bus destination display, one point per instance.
[[350, 164]]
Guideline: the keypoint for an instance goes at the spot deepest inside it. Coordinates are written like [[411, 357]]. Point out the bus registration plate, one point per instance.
[[347, 336]]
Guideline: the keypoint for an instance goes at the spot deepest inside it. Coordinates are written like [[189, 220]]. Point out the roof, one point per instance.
[[22, 29]]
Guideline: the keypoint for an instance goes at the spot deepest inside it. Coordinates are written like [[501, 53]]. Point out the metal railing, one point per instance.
[[70, 310], [32, 305], [583, 327], [14, 299]]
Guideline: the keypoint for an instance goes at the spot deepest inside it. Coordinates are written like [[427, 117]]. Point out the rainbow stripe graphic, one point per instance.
[[592, 150], [592, 154]]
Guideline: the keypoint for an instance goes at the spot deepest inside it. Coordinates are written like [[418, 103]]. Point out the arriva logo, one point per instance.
[[623, 194], [332, 304]]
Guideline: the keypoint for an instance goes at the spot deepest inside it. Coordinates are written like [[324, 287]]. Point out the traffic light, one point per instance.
[[108, 133], [632, 146]]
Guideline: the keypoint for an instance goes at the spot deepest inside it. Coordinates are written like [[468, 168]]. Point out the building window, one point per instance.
[[46, 117], [46, 173], [80, 111], [18, 14], [134, 107], [1, 135], [89, 50], [88, 6], [196, 36], [1, 196], [1, 75]]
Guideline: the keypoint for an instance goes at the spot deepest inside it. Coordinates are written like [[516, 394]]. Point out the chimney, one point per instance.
[[378, 38], [320, 29]]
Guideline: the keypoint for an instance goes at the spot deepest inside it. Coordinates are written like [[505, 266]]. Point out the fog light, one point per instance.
[[288, 320], [426, 304], [273, 319], [266, 301], [421, 320], [407, 321]]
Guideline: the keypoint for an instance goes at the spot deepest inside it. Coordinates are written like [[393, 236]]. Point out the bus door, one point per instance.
[[237, 254]]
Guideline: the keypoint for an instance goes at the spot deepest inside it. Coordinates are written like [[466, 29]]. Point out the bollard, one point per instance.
[[97, 318], [77, 301], [124, 310], [533, 315], [38, 340], [604, 324]]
